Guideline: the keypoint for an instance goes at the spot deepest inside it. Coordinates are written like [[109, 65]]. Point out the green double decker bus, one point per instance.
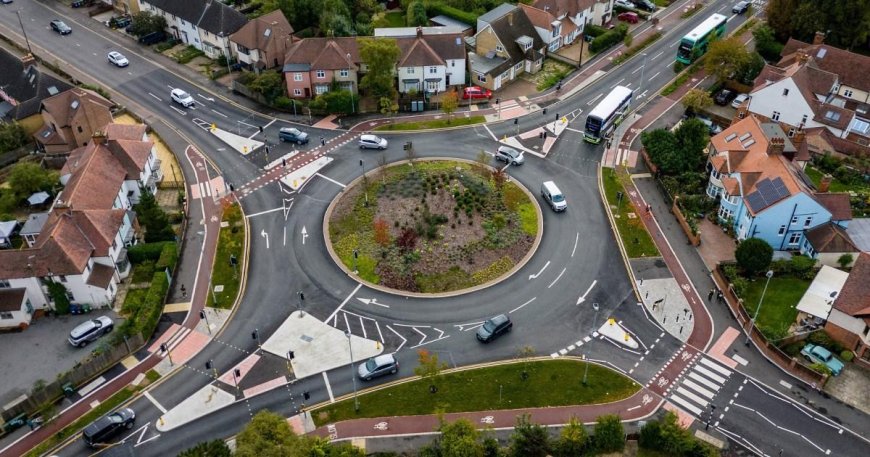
[[695, 43]]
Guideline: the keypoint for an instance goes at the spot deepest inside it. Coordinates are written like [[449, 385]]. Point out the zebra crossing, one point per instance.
[[698, 386]]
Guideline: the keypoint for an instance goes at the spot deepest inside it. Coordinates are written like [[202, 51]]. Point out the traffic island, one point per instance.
[[228, 261]]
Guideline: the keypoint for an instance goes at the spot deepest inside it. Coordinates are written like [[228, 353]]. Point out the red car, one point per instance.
[[631, 18], [474, 92]]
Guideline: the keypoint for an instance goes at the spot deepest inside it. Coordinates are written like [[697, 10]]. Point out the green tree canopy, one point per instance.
[[529, 440], [847, 21], [696, 100], [380, 56], [145, 22], [460, 439], [765, 42], [726, 58], [12, 136], [679, 151], [753, 255], [417, 14], [573, 440], [609, 435], [268, 435], [214, 448], [28, 177], [268, 84], [153, 218], [335, 18]]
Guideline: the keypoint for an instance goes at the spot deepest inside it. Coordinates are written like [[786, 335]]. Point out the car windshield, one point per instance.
[[292, 131], [489, 326], [116, 417], [371, 365], [558, 198]]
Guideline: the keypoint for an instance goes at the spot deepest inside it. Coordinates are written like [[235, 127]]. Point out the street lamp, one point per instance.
[[26, 40], [594, 319], [301, 302], [642, 70], [352, 371], [769, 274], [204, 316]]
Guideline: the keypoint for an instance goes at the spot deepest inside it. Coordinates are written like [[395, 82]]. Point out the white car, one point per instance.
[[738, 100], [117, 59], [182, 98], [624, 3], [372, 142]]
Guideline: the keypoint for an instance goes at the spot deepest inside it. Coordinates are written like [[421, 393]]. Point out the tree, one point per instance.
[[696, 100], [609, 434], [573, 440], [388, 106], [339, 101], [845, 260], [779, 14], [692, 137], [725, 58], [460, 439], [449, 103], [58, 294], [753, 256], [28, 177], [417, 14], [430, 367], [145, 22], [335, 18], [765, 42], [380, 56], [302, 14], [528, 439], [214, 448], [153, 218], [268, 84], [268, 434], [12, 136], [751, 69]]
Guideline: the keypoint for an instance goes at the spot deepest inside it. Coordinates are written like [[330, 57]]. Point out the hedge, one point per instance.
[[144, 315], [594, 30], [454, 13], [146, 251], [608, 39], [168, 257]]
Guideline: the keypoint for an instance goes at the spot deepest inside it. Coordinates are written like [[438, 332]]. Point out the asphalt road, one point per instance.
[[577, 252]]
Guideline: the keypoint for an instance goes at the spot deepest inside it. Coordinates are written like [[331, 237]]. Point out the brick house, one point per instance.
[[314, 64], [263, 42], [430, 63], [554, 31], [849, 321], [504, 48], [23, 87], [70, 120]]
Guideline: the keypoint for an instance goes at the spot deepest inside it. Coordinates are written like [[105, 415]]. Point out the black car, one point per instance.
[[60, 27], [645, 5], [724, 97], [740, 8], [494, 328], [82, 3], [107, 427]]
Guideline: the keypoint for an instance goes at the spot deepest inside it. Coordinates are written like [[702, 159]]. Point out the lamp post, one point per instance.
[[642, 70], [352, 371], [769, 274], [301, 302], [26, 40], [204, 316], [594, 318]]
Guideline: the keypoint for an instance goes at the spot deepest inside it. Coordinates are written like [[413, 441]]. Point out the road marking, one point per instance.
[[653, 76], [266, 236], [699, 389], [331, 180], [739, 360], [693, 397], [343, 303], [284, 237], [576, 240], [636, 70], [710, 374], [657, 55], [219, 113], [154, 401], [582, 298], [400, 336], [265, 212], [704, 381], [372, 301], [784, 384], [84, 391], [684, 404], [535, 276], [490, 132], [304, 233], [328, 387], [557, 278], [590, 102], [158, 98], [715, 366], [520, 307]]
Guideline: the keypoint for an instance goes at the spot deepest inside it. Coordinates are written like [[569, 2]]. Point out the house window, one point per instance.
[[432, 86], [452, 63], [4, 284], [433, 70], [527, 46], [410, 70], [297, 76], [781, 230], [741, 114], [808, 221], [481, 78], [518, 66], [785, 92], [5, 315], [794, 238], [499, 48], [242, 49], [297, 92], [775, 116], [70, 296], [794, 220], [62, 278], [321, 89], [847, 93], [791, 132], [321, 74], [343, 73]]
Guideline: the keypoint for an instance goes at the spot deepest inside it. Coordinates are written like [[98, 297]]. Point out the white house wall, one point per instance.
[[33, 290], [791, 107]]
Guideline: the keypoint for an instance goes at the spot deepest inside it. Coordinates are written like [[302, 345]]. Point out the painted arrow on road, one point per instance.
[[211, 99], [534, 276], [372, 301], [304, 234], [583, 297], [266, 236]]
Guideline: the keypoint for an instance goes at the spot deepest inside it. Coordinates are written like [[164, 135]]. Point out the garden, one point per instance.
[[847, 177], [433, 226]]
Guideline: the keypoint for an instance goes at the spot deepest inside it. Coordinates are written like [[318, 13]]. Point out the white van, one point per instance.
[[553, 196]]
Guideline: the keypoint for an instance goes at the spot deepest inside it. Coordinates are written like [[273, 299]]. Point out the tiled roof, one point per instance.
[[830, 237], [269, 33], [12, 299], [538, 17], [101, 276], [853, 69], [854, 298], [210, 15], [511, 27], [123, 148], [325, 53], [116, 131], [79, 106], [419, 54], [96, 179], [26, 85], [837, 203], [564, 7]]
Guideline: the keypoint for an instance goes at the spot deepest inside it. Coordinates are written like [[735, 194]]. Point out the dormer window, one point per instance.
[[833, 116], [499, 48], [785, 92]]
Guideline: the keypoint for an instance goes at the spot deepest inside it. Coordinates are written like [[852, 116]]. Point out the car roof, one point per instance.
[[384, 359], [501, 318], [370, 137]]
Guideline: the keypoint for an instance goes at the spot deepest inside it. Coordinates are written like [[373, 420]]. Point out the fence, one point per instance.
[[773, 353], [694, 238]]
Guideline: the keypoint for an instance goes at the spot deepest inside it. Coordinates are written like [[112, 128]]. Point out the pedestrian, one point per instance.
[[183, 292], [322, 141], [284, 162], [648, 208], [720, 297], [710, 295]]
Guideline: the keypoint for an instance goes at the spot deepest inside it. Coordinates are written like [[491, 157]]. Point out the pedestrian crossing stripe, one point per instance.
[[698, 388]]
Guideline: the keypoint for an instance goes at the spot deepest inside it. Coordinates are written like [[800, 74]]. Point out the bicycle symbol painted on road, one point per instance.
[[647, 399], [333, 432], [487, 420], [685, 356], [382, 426], [662, 382]]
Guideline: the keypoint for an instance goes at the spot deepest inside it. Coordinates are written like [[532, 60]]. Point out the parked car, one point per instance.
[[372, 142], [646, 5], [509, 155], [713, 128], [182, 98], [475, 92], [624, 3], [494, 328], [738, 100], [723, 97], [119, 22], [60, 27], [818, 354], [153, 38], [5, 2], [90, 330], [293, 135], [105, 428], [82, 3], [740, 7], [378, 366], [631, 18], [117, 59]]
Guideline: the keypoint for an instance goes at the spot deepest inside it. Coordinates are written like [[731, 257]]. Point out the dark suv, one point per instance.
[[724, 97], [494, 328], [645, 5], [108, 426], [292, 135]]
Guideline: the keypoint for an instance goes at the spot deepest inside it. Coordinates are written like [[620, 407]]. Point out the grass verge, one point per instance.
[[635, 238], [482, 389], [231, 242], [435, 124], [778, 311]]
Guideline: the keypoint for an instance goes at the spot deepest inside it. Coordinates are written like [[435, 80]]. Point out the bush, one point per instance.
[[98, 89], [820, 367], [847, 355], [168, 257], [802, 266], [753, 256], [740, 285], [609, 434], [454, 13], [594, 30], [146, 251], [609, 39], [12, 136]]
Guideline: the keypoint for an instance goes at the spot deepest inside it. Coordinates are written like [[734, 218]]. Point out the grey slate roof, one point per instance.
[[28, 86], [494, 14], [210, 15], [516, 26]]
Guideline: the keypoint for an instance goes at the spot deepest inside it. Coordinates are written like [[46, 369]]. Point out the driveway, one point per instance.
[[41, 352]]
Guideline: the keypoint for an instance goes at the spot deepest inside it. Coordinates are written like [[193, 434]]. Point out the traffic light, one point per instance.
[[202, 314], [405, 146], [306, 395], [163, 347], [291, 355], [516, 120], [261, 128], [254, 335]]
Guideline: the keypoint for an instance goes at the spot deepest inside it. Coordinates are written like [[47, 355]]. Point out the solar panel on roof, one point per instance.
[[779, 187], [755, 202]]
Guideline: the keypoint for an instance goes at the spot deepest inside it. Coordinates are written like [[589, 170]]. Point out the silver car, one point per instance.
[[378, 366], [117, 59], [372, 142], [509, 155], [90, 330]]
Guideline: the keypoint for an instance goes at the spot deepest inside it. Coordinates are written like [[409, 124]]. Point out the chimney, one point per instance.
[[28, 61], [825, 183], [99, 137], [802, 56], [419, 32], [818, 38], [775, 146], [511, 19]]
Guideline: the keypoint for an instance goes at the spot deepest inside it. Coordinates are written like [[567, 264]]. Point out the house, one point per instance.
[[203, 24], [313, 65], [553, 31], [849, 321], [431, 63], [126, 6], [815, 305], [15, 309], [70, 120], [817, 87], [761, 192], [23, 87], [504, 48], [579, 12], [7, 229], [263, 42], [827, 243], [456, 26]]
